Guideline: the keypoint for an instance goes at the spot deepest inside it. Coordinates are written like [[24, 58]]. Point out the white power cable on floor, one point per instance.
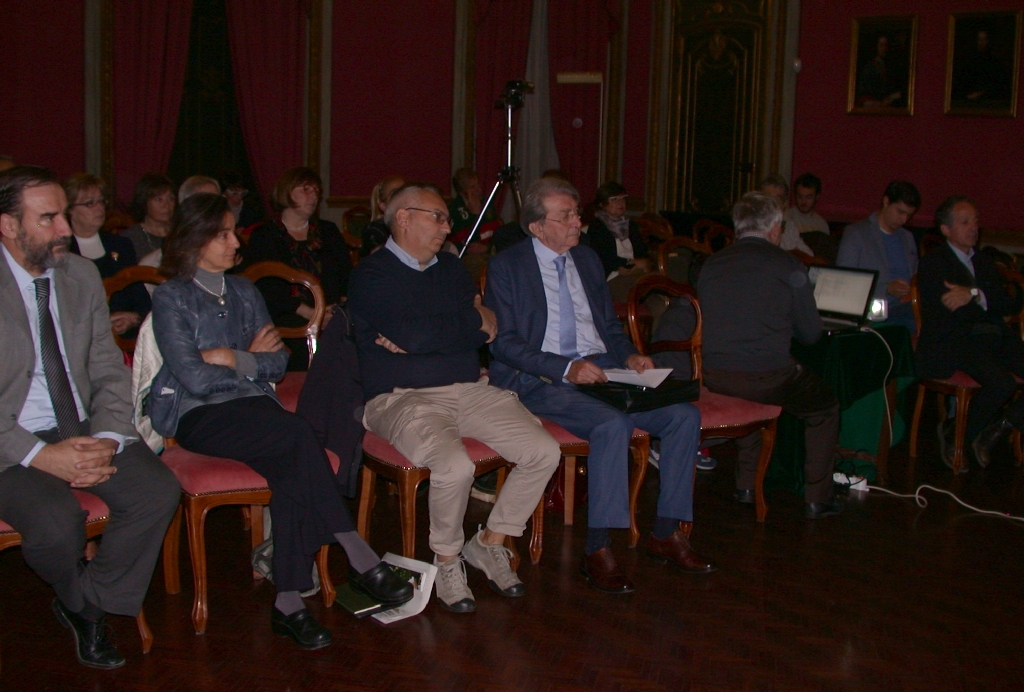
[[923, 502]]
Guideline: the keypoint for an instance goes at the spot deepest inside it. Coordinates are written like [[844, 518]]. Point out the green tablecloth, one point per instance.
[[854, 365]]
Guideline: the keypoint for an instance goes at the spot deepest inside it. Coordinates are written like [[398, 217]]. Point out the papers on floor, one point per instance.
[[422, 579], [649, 378]]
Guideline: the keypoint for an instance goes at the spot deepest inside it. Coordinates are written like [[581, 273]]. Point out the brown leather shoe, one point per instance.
[[677, 549], [603, 573]]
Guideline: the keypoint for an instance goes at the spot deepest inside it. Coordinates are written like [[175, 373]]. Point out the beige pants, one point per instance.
[[427, 426]]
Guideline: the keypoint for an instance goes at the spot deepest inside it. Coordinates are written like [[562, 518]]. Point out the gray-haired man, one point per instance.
[[755, 297]]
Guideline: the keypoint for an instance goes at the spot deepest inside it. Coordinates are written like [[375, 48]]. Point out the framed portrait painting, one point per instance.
[[983, 63], [882, 55]]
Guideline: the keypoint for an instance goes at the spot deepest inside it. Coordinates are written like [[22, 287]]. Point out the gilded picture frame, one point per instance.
[[883, 54], [983, 63]]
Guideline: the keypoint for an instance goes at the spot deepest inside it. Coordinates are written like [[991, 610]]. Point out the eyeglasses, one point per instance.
[[567, 216], [89, 203], [241, 192], [440, 218], [618, 198], [310, 189]]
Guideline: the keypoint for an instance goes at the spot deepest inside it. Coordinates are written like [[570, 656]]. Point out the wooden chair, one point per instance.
[[670, 249], [279, 270], [808, 260], [95, 523], [707, 231], [654, 227], [121, 280], [353, 221], [720, 415], [960, 385], [380, 458], [573, 448]]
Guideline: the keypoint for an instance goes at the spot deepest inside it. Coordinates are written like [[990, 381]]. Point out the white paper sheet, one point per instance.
[[650, 378], [421, 594]]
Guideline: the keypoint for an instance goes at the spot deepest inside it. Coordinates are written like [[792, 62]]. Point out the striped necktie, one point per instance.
[[57, 381]]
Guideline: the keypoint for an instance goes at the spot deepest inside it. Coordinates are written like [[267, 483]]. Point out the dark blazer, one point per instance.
[[515, 292], [96, 364], [120, 255], [944, 334], [602, 240]]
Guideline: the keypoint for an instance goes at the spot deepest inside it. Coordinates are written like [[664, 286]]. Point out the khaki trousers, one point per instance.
[[427, 426]]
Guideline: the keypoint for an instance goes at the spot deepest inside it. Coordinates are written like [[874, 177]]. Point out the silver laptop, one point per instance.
[[843, 296]]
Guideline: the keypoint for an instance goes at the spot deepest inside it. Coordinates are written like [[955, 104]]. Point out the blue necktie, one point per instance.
[[566, 313]]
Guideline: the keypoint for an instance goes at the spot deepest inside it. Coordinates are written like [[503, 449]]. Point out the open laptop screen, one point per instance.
[[842, 292]]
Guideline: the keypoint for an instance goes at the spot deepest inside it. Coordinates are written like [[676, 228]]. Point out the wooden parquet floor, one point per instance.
[[885, 597]]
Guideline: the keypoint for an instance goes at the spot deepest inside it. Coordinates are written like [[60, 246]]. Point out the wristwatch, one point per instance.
[[975, 295]]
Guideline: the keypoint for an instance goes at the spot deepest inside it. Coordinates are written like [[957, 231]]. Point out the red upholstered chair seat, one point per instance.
[[97, 509], [381, 450], [721, 411], [203, 475], [959, 379], [288, 390]]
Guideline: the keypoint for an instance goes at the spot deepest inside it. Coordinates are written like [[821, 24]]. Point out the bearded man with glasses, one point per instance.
[[557, 329], [418, 323]]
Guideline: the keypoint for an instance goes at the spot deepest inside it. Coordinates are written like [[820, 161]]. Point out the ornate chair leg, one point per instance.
[[639, 450], [537, 533], [916, 421], [195, 521], [326, 585], [172, 546], [963, 401], [254, 515], [407, 510], [767, 445], [145, 634], [569, 488], [366, 496]]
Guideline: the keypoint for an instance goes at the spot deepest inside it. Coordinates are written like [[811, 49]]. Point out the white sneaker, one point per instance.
[[452, 590], [493, 560]]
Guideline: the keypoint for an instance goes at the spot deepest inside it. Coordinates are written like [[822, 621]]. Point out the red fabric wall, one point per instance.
[[856, 155], [391, 93], [42, 84], [638, 78]]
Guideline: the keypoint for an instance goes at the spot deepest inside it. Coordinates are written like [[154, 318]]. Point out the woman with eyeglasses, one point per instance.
[[213, 395], [87, 210], [299, 238], [617, 240]]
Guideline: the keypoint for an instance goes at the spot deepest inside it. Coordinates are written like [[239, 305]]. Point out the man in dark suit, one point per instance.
[[963, 305], [67, 423], [556, 329]]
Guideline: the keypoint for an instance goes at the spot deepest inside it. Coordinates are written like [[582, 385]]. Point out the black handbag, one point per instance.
[[631, 398]]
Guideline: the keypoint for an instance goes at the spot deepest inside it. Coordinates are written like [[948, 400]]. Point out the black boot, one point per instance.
[[987, 439]]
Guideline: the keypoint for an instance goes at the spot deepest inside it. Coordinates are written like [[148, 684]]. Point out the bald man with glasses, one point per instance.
[[419, 323], [557, 329]]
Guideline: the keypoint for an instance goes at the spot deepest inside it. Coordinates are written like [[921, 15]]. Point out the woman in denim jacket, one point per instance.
[[213, 394]]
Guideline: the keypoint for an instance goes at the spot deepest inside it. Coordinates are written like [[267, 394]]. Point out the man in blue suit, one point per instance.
[[556, 329]]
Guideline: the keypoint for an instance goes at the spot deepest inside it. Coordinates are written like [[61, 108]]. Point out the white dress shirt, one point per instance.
[[37, 414]]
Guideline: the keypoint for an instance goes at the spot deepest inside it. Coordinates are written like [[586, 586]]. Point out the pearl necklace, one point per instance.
[[223, 289]]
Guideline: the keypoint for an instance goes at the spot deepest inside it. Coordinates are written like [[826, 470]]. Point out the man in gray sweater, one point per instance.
[[755, 297]]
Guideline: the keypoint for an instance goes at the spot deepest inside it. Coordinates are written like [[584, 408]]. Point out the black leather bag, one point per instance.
[[631, 398]]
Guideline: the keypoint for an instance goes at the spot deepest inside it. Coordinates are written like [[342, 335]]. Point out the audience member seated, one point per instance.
[[87, 208], [418, 324], [194, 184], [880, 242], [300, 239], [376, 232], [556, 329], [465, 210], [71, 432], [755, 298], [777, 187], [811, 226], [963, 306], [235, 192], [213, 394], [152, 208], [617, 240]]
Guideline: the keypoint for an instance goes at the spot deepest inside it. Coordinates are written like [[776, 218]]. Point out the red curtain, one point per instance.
[[150, 58], [268, 58], [502, 40], [578, 34]]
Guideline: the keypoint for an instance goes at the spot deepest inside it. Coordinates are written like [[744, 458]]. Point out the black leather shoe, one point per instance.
[[744, 497], [818, 510], [381, 584], [302, 627], [93, 647], [987, 439]]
